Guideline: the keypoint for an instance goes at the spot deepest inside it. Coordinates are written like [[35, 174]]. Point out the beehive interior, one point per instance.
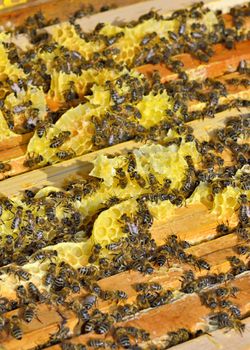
[[59, 244]]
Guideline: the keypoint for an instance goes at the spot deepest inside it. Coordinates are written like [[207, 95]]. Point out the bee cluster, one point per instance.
[[171, 168], [34, 222], [79, 67]]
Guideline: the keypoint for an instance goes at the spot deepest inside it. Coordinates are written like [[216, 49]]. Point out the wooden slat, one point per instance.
[[220, 339], [129, 13], [215, 252], [61, 9], [171, 319], [15, 141], [223, 61]]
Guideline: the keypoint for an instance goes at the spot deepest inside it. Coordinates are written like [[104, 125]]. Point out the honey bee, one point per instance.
[[19, 273], [32, 160], [121, 337], [97, 343], [17, 218], [153, 182], [180, 336], [95, 253], [33, 291], [122, 178], [14, 327], [223, 319], [131, 162], [70, 94], [41, 128], [57, 141], [4, 167], [29, 312], [244, 210], [64, 155], [62, 333]]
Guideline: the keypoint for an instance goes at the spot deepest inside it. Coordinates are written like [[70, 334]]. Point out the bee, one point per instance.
[[229, 42], [121, 337], [95, 253], [19, 273], [223, 319], [133, 110], [14, 327], [21, 294], [129, 226], [104, 326], [242, 232], [114, 246], [182, 28], [17, 218], [50, 212], [50, 275], [32, 160], [70, 94], [4, 167], [88, 270], [64, 155], [202, 264], [29, 312], [160, 260], [153, 182], [89, 301], [222, 229], [131, 162], [57, 141], [147, 38], [20, 260], [62, 333], [173, 36], [202, 56], [180, 336], [41, 128], [242, 249], [119, 295], [139, 179], [33, 291], [244, 209], [59, 282], [98, 343], [225, 292], [45, 254]]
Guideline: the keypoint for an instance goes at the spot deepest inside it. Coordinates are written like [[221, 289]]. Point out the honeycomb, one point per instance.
[[75, 254], [153, 108], [65, 35], [129, 43], [60, 83], [75, 120]]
